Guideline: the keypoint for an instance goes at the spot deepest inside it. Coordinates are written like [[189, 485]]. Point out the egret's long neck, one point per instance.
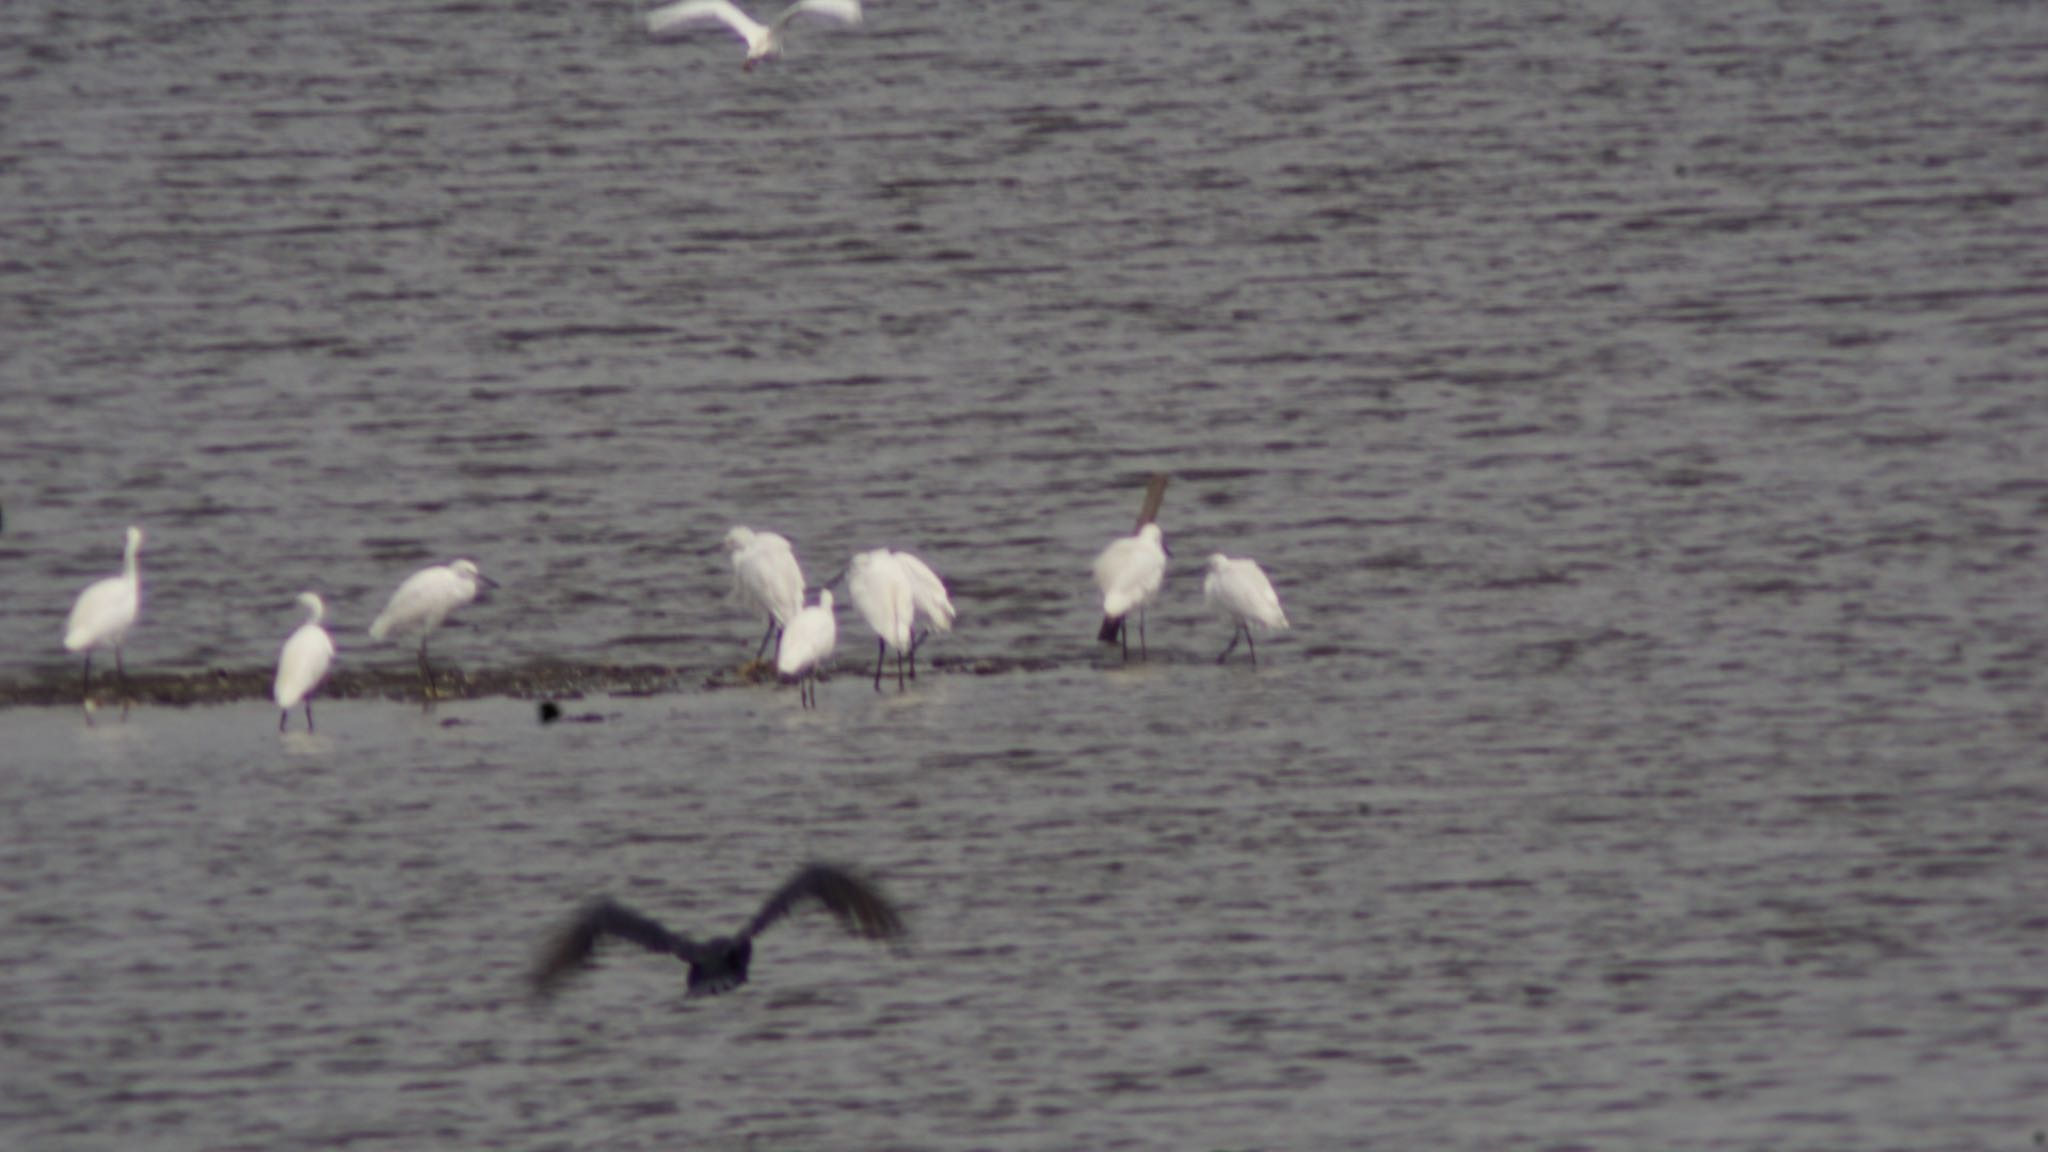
[[131, 562]]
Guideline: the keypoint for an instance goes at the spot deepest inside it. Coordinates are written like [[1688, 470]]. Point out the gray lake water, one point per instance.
[[1638, 406]]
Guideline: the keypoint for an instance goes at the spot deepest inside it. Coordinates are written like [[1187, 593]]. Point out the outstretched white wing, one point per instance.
[[844, 11], [675, 17]]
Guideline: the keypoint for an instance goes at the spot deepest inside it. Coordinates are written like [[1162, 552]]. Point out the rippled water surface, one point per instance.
[[1639, 408]]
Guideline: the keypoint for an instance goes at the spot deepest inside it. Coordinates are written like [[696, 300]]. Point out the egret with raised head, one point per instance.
[[104, 613], [303, 662]]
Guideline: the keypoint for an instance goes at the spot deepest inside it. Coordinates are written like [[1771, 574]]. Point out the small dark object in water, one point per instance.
[[550, 711], [720, 964]]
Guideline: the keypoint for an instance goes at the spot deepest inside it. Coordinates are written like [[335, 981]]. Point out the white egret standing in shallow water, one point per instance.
[[1129, 572], [104, 613], [881, 589], [424, 601], [1239, 589], [891, 590], [766, 577], [764, 41], [303, 663], [806, 644]]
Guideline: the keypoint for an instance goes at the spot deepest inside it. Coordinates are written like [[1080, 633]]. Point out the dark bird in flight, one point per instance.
[[719, 964]]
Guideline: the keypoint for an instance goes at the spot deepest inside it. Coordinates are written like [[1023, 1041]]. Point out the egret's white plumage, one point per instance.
[[303, 662], [885, 596], [1129, 572], [893, 590], [766, 577], [806, 644], [424, 600], [930, 594], [764, 41], [1238, 588], [105, 611]]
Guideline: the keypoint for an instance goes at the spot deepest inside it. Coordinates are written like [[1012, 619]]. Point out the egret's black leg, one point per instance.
[[1142, 653], [1233, 644], [1123, 637], [309, 714], [1249, 644], [283, 715], [881, 654], [765, 638], [85, 684], [426, 671]]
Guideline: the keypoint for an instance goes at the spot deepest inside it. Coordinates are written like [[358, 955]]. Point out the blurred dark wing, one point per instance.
[[1155, 495], [569, 951], [859, 905]]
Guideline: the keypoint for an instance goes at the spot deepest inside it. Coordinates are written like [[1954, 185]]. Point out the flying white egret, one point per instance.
[[806, 644], [424, 601], [1129, 572], [104, 613], [766, 577], [302, 664], [1239, 589], [764, 41], [882, 590]]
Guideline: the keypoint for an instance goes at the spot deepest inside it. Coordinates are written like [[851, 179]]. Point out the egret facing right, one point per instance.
[[303, 663], [104, 613], [1239, 589], [424, 601]]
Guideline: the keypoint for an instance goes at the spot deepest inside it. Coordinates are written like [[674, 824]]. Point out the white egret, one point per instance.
[[424, 601], [764, 41], [1129, 572], [891, 590], [104, 613], [806, 644], [303, 662], [766, 577], [1239, 589], [881, 589]]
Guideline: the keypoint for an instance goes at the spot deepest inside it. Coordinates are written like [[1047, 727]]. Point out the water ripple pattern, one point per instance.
[[1637, 407]]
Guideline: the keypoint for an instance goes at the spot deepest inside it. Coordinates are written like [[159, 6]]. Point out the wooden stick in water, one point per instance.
[[1155, 495]]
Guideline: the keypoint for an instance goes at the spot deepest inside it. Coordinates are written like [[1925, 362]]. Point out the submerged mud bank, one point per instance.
[[537, 681]]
